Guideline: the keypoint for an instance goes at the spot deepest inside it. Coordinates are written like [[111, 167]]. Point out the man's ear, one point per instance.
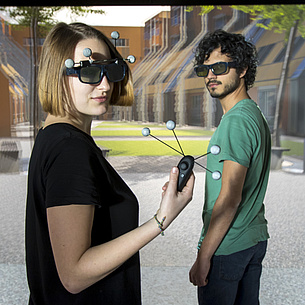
[[243, 72]]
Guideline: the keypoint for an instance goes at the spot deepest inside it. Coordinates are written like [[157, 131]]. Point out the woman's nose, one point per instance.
[[104, 84]]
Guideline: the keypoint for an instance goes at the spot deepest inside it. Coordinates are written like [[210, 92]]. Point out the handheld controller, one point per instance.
[[185, 167], [186, 164]]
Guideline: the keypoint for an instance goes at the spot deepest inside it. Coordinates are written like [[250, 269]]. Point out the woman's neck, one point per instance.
[[84, 125]]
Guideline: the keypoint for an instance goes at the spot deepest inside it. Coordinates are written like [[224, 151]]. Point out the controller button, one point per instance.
[[183, 165]]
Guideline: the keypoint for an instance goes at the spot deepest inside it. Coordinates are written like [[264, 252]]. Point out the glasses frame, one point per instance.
[[103, 64], [230, 64]]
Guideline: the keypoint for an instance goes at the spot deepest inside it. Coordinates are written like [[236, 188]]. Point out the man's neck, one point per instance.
[[233, 98]]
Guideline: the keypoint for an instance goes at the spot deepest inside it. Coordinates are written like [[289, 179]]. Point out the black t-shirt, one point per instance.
[[67, 167]]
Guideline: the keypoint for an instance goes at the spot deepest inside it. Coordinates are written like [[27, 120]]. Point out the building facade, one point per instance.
[[165, 85]]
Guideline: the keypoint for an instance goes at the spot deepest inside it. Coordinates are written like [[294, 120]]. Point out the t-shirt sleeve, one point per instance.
[[237, 140], [71, 174]]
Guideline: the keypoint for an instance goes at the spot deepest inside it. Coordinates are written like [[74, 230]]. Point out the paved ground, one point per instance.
[[167, 260]]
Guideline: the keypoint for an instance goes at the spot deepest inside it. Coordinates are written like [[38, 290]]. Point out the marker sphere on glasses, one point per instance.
[[69, 63], [87, 52]]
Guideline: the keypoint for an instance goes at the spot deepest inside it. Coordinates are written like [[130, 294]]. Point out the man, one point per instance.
[[234, 236]]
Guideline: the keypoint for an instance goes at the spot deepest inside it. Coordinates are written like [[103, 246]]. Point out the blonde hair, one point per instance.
[[53, 88]]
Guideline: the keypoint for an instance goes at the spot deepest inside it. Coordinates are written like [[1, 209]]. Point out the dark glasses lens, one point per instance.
[[202, 71], [220, 68], [90, 75], [115, 72], [217, 68]]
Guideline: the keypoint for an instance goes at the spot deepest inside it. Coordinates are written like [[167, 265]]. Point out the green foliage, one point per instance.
[[282, 17], [205, 9], [24, 14], [44, 15]]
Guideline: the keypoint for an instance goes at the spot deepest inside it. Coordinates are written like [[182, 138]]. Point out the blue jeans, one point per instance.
[[234, 279]]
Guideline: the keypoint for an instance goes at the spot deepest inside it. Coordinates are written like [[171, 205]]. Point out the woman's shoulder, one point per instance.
[[62, 138], [64, 132]]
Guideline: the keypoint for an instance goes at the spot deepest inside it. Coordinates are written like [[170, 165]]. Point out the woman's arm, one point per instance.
[[79, 265]]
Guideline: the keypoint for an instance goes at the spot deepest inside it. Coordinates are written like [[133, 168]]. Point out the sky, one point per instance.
[[117, 15]]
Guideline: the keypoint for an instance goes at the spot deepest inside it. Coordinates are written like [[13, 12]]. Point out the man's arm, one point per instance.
[[226, 205]]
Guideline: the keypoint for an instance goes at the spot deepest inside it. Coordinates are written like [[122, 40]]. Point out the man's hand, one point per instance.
[[199, 272]]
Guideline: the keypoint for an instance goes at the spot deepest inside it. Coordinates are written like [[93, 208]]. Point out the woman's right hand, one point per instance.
[[173, 202]]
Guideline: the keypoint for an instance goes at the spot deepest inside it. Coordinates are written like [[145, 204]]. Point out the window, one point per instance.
[[175, 16], [264, 51], [120, 42], [219, 21], [147, 33], [174, 39], [29, 41], [195, 111], [297, 44], [146, 51], [267, 103], [242, 21]]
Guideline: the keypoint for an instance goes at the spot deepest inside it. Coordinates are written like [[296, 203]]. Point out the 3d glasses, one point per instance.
[[218, 68], [92, 72]]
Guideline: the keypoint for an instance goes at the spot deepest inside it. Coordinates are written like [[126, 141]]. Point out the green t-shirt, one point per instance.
[[243, 136]]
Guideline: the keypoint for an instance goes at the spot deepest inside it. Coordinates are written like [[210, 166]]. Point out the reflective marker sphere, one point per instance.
[[145, 132], [69, 63], [115, 35], [87, 52], [215, 150], [170, 125], [131, 59], [216, 175]]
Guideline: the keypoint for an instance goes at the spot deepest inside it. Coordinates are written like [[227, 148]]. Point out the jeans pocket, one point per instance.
[[231, 268]]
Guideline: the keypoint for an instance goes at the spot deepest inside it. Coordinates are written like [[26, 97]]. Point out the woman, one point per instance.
[[82, 234]]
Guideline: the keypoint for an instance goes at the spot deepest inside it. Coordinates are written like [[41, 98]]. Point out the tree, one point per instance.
[[40, 19], [283, 18]]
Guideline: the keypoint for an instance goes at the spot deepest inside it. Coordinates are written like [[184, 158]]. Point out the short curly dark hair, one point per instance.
[[234, 46]]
